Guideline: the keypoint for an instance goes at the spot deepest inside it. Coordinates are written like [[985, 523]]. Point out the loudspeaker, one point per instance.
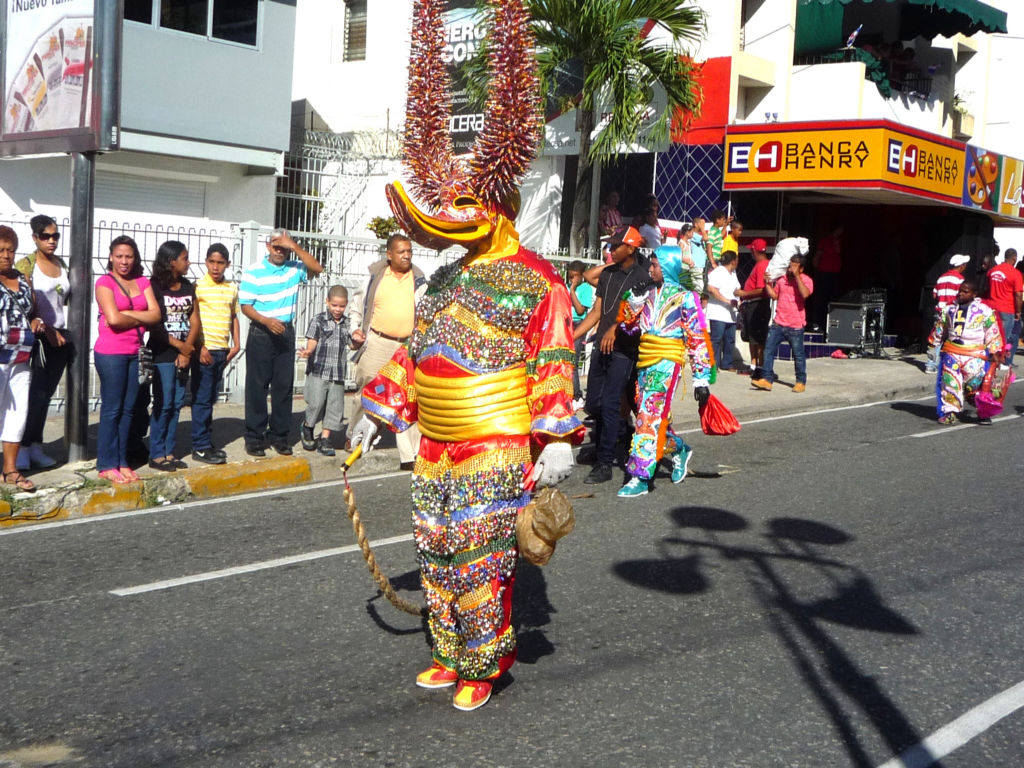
[[856, 325]]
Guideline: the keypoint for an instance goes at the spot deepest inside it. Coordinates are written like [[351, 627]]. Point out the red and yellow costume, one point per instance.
[[487, 374], [488, 378]]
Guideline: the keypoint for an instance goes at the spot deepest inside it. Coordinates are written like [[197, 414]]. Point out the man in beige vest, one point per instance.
[[382, 316]]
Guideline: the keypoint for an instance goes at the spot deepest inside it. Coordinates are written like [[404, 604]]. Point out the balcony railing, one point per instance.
[[887, 75]]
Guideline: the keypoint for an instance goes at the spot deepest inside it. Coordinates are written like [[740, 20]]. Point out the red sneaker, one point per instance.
[[471, 694], [436, 676]]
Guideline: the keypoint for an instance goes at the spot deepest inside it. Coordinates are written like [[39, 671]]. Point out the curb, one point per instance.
[[98, 497], [91, 496]]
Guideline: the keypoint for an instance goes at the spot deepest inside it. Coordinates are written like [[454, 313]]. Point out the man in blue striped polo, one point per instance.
[[268, 297]]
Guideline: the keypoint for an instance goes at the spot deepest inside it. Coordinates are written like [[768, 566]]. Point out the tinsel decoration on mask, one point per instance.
[[508, 140]]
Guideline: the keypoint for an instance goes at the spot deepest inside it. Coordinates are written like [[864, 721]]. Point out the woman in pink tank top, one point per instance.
[[127, 305]]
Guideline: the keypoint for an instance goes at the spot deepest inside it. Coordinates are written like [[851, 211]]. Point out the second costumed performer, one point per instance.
[[487, 374], [671, 324]]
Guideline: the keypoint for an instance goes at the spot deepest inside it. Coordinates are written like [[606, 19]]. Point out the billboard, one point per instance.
[[56, 95], [465, 30]]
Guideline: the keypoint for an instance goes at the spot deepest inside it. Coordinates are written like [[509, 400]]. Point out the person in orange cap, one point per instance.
[[615, 354]]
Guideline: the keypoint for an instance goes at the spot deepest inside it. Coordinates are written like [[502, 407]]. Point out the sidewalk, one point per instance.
[[70, 491]]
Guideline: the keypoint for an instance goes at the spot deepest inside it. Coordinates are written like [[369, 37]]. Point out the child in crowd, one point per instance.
[[327, 342], [173, 343], [218, 311], [671, 323], [581, 293]]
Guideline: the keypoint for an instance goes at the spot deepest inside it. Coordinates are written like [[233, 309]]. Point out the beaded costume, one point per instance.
[[969, 334], [487, 374], [671, 323]]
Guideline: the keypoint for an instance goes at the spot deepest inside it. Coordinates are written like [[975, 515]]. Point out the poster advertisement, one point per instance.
[[49, 55], [464, 32]]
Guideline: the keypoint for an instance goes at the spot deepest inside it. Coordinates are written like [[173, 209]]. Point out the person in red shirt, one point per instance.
[[828, 264], [756, 307], [1005, 296], [944, 293]]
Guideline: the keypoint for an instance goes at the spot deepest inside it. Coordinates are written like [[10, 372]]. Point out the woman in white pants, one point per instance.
[[17, 327]]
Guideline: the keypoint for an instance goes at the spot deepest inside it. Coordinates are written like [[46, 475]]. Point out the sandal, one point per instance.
[[19, 481], [128, 474], [114, 476]]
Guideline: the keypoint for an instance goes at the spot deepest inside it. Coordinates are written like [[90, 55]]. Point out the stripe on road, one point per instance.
[[947, 430], [252, 567], [960, 731]]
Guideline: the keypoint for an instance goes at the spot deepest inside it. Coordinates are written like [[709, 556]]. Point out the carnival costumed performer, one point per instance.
[[670, 322], [971, 339], [487, 374]]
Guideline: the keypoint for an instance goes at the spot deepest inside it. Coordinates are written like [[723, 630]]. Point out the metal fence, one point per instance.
[[346, 262]]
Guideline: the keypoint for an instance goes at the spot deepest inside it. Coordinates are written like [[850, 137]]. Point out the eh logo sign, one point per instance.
[[910, 160], [775, 156]]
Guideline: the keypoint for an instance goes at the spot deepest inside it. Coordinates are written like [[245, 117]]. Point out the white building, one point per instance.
[[205, 105], [350, 65]]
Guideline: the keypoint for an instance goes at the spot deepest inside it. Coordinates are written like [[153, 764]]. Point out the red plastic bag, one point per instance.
[[716, 419]]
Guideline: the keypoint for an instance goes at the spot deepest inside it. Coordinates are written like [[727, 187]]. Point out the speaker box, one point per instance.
[[855, 325]]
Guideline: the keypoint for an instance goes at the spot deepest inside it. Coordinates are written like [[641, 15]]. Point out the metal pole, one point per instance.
[[76, 413], [594, 231]]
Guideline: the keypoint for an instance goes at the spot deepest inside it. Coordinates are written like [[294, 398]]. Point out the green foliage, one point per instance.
[[619, 67], [383, 228]]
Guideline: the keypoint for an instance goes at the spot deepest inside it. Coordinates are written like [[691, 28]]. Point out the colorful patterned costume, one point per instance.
[[487, 374], [670, 320], [970, 333]]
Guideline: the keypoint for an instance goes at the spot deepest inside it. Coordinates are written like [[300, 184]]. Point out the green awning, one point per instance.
[[929, 18]]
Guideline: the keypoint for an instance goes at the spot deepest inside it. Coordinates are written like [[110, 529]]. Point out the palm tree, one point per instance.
[[601, 39]]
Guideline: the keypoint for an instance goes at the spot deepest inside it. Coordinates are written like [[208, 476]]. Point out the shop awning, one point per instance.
[[929, 18], [873, 158]]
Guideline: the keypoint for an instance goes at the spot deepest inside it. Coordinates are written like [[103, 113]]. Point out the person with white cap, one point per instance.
[[944, 293]]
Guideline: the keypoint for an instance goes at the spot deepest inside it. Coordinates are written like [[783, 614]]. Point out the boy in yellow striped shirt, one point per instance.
[[218, 311]]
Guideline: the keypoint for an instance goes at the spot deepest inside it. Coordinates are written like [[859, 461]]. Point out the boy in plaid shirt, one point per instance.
[[327, 343]]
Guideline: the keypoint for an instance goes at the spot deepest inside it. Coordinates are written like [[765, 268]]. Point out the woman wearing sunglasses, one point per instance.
[[47, 273]]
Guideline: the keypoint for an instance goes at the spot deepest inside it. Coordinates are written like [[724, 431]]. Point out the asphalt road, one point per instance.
[[828, 589]]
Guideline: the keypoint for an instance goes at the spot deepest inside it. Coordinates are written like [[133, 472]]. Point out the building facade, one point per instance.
[[205, 105], [888, 120]]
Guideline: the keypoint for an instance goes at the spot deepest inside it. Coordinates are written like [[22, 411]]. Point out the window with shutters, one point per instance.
[[123, 192], [355, 30]]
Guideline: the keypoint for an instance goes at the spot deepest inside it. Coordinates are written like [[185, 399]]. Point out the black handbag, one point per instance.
[[145, 353]]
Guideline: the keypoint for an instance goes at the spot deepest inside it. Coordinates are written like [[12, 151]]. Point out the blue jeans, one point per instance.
[[119, 386], [580, 348], [723, 339], [608, 377], [168, 396], [206, 381], [795, 337], [1011, 333]]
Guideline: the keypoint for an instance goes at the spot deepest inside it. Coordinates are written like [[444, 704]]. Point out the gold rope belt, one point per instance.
[[656, 348], [453, 409], [960, 349]]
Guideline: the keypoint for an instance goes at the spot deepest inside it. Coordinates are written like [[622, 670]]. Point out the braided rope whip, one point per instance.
[[382, 581]]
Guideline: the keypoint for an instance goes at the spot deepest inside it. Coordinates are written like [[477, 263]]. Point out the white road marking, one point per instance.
[[957, 733], [192, 504], [252, 567], [801, 414], [947, 430]]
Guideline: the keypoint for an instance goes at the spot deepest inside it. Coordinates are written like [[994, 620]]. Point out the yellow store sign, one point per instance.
[[857, 155]]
